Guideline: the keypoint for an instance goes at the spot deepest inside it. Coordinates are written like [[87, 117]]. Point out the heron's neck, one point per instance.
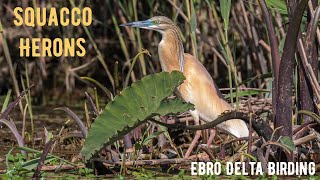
[[171, 52]]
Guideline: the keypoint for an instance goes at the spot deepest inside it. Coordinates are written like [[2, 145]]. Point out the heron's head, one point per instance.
[[157, 23]]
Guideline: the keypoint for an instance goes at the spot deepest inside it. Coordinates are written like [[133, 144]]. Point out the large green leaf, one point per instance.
[[135, 105]]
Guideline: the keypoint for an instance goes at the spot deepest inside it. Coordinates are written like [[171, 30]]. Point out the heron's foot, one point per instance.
[[193, 143], [211, 137]]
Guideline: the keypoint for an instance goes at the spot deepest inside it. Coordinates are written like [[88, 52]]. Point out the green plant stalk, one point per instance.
[[7, 158], [229, 70], [123, 45], [278, 6], [28, 99], [237, 88], [116, 77], [225, 6], [311, 114], [247, 93], [123, 165], [9, 61], [86, 112], [122, 42], [223, 36], [166, 133], [123, 8], [274, 131], [249, 156], [230, 82], [132, 66], [296, 82], [193, 26], [225, 11], [6, 101], [100, 57], [142, 60], [136, 153], [96, 97], [236, 82], [117, 146], [38, 30], [24, 111], [24, 121], [188, 8], [104, 89], [217, 20], [81, 3]]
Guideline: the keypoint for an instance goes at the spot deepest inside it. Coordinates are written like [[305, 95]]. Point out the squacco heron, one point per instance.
[[198, 87]]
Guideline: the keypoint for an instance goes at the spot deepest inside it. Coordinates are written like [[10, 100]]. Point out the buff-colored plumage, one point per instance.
[[198, 88]]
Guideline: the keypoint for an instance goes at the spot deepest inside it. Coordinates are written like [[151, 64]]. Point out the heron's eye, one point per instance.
[[157, 22]]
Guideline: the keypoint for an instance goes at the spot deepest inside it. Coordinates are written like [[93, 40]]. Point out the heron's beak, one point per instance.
[[139, 24]]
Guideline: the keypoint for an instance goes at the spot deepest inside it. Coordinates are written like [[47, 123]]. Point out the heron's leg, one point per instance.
[[195, 116], [211, 137]]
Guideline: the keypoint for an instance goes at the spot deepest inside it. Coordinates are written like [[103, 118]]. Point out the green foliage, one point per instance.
[[86, 172], [225, 6], [239, 177], [260, 76], [143, 174], [144, 141], [21, 166], [104, 89], [264, 176], [6, 101], [287, 142], [281, 7], [193, 25], [32, 164], [314, 178], [15, 167], [209, 177], [246, 93], [181, 175], [144, 51], [278, 5], [38, 154], [137, 103]]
